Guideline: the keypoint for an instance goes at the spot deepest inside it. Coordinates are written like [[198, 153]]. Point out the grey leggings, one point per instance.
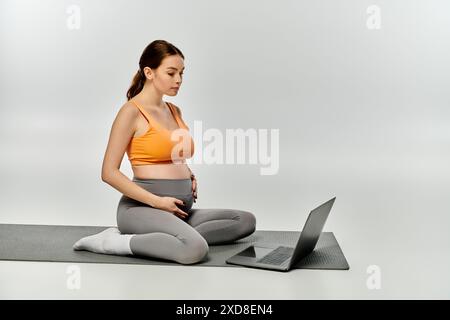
[[161, 234]]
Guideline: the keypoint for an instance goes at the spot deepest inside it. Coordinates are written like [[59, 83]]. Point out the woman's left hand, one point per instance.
[[194, 188]]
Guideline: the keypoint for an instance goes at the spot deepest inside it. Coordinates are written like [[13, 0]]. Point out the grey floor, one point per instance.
[[40, 280], [404, 274]]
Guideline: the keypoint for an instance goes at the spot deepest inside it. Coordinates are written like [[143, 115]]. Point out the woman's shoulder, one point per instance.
[[130, 104], [128, 111]]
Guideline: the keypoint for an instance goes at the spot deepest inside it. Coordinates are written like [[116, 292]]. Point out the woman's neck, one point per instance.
[[149, 97]]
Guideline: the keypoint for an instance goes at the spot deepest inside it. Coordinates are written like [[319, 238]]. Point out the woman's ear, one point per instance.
[[148, 73]]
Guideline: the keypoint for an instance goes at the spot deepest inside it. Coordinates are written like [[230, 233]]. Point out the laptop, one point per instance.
[[282, 258]]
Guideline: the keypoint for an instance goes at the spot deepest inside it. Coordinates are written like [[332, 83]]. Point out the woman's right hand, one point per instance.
[[170, 204]]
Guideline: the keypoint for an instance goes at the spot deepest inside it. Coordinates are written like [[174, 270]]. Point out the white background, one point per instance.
[[362, 114]]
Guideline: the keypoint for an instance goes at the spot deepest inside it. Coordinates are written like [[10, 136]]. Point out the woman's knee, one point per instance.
[[247, 222], [194, 251], [121, 222]]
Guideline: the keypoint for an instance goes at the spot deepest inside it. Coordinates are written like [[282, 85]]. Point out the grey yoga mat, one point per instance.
[[54, 243]]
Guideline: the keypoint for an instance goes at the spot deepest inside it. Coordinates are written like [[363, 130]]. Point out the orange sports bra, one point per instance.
[[156, 145]]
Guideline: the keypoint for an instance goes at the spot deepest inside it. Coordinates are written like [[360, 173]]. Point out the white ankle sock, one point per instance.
[[109, 241]]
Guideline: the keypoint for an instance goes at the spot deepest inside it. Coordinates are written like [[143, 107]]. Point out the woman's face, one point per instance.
[[168, 76]]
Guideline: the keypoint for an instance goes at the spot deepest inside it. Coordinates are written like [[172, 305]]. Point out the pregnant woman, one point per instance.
[[155, 217]]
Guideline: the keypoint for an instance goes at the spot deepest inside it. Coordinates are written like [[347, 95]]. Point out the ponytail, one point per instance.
[[136, 85]]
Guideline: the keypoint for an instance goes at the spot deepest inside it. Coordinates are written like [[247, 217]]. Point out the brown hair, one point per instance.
[[152, 57]]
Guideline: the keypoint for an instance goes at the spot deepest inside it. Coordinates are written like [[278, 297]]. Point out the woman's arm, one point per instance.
[[194, 184], [193, 179], [122, 131]]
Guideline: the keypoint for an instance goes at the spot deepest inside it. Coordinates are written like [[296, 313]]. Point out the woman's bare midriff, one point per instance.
[[162, 171]]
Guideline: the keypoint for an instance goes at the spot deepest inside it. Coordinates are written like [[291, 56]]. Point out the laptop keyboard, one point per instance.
[[277, 256]]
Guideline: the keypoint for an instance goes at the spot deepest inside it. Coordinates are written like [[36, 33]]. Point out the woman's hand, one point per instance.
[[194, 188], [170, 204]]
